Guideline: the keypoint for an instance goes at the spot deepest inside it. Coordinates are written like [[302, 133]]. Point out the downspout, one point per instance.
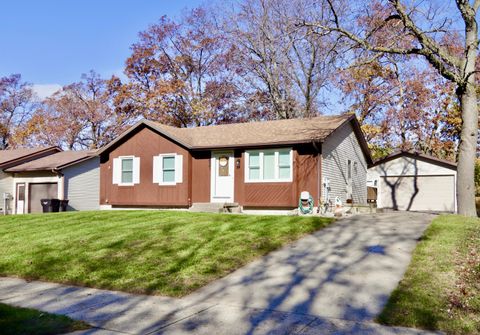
[[318, 147]]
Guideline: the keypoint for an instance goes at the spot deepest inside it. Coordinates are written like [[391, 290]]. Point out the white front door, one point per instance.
[[222, 176], [20, 195]]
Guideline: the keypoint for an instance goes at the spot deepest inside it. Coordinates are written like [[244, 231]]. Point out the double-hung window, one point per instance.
[[167, 169], [126, 170], [272, 165]]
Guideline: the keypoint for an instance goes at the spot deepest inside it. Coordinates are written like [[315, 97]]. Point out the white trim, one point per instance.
[[277, 166], [178, 169], [213, 175]]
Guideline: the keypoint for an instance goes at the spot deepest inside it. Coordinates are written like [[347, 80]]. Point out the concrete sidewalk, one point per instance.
[[335, 281]]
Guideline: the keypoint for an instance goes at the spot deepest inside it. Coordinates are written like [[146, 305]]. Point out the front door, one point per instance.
[[20, 202], [222, 172]]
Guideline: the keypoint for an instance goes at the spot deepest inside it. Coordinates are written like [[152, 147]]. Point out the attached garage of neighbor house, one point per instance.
[[414, 182], [39, 191]]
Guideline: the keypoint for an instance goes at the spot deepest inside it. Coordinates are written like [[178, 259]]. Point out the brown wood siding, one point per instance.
[[144, 144], [305, 174], [201, 176], [196, 177]]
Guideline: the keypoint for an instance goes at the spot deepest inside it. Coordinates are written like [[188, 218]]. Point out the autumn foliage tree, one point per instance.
[[401, 106], [424, 30], [81, 115], [17, 101], [179, 73]]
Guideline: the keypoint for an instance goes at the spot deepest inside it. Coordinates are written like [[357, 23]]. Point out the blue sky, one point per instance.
[[52, 42]]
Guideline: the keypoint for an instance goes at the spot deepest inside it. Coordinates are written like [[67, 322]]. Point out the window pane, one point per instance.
[[254, 159], [254, 173], [269, 165], [127, 177], [284, 158], [284, 173], [349, 169], [168, 176], [127, 164], [169, 163]]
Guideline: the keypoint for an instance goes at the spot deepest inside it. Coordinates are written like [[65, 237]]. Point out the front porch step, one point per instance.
[[214, 207]]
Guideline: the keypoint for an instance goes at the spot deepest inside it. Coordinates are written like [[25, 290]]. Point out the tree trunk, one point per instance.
[[466, 152], [469, 133]]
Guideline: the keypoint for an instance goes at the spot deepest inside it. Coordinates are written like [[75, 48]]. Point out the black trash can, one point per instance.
[[63, 205], [50, 205], [46, 205], [55, 205]]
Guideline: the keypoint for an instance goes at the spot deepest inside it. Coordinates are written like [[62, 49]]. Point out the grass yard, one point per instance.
[[15, 320], [155, 252], [441, 288]]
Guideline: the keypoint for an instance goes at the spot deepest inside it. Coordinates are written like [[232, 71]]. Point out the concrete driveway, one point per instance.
[[335, 281]]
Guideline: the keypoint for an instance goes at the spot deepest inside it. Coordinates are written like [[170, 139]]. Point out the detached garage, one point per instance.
[[411, 181]]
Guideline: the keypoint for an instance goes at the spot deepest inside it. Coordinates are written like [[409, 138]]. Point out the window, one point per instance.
[[273, 165], [349, 169], [284, 166], [254, 166], [126, 170], [167, 169], [269, 165]]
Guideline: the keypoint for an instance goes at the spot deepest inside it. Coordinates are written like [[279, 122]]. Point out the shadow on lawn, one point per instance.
[[345, 271]]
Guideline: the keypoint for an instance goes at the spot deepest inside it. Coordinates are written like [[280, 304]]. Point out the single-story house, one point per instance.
[[257, 165], [414, 182], [71, 175]]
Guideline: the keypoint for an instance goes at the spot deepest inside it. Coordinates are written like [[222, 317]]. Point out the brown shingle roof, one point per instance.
[[256, 133], [56, 161], [252, 134], [20, 155]]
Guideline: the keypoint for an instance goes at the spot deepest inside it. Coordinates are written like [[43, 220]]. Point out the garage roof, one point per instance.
[[418, 155], [56, 161], [11, 157]]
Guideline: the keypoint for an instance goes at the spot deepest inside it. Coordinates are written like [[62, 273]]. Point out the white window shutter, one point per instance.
[[117, 171], [157, 169], [136, 170], [178, 168]]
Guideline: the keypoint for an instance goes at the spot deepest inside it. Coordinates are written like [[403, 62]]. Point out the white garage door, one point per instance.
[[421, 193]]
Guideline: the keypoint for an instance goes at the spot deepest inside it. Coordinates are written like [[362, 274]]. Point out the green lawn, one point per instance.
[[441, 288], [154, 252], [14, 320]]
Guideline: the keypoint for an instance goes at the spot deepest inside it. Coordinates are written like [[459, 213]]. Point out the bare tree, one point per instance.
[[392, 27], [275, 56]]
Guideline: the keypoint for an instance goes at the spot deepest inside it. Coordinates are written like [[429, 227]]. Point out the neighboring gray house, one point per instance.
[[12, 157], [414, 182], [64, 175]]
